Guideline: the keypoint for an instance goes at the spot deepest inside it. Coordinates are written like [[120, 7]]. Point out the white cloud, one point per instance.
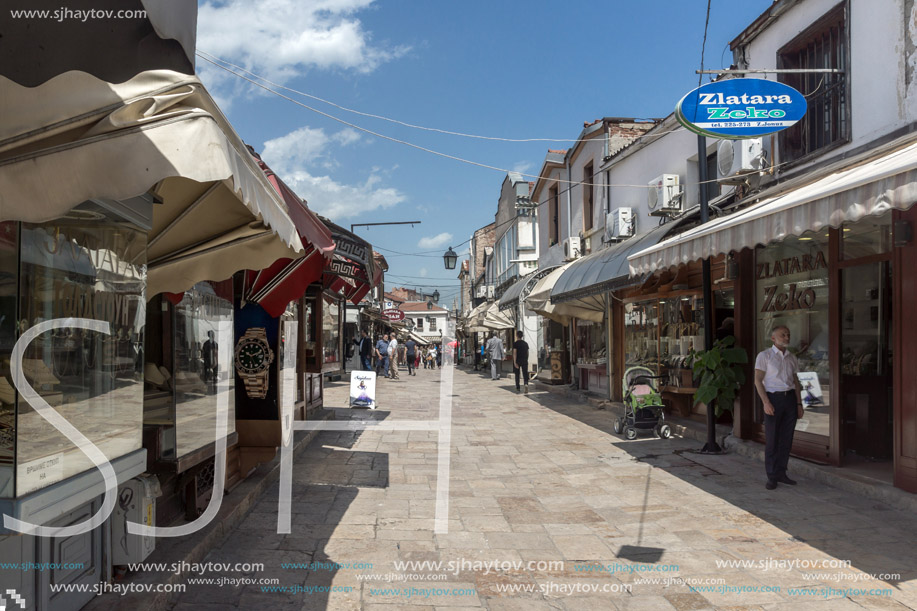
[[435, 241], [423, 272], [522, 166], [295, 156], [279, 39]]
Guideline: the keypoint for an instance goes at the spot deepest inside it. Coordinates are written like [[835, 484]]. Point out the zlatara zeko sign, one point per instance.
[[740, 108]]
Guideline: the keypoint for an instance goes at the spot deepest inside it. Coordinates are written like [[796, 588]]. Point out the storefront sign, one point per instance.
[[792, 265], [393, 315], [740, 108], [793, 299]]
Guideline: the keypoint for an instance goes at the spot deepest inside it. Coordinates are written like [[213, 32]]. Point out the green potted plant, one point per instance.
[[720, 374]]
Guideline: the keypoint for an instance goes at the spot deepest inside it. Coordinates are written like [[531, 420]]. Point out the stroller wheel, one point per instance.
[[630, 433], [664, 431], [618, 425]]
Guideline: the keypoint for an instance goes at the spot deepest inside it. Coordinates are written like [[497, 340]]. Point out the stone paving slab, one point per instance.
[[548, 509]]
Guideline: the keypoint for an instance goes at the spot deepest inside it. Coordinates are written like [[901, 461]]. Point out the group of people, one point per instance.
[[388, 353]]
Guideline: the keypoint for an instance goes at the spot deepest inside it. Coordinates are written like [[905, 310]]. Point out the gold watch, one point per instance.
[[253, 360]]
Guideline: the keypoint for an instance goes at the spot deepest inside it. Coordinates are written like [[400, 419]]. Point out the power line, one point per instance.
[[417, 146], [213, 58]]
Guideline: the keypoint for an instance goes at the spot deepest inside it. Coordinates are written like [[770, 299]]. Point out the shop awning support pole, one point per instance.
[[711, 447]]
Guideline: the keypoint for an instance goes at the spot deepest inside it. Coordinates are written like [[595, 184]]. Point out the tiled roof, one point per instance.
[[420, 306]]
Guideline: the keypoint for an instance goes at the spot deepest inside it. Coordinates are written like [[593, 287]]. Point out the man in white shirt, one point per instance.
[[393, 356], [778, 387]]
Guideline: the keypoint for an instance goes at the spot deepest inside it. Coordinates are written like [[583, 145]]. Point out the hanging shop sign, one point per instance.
[[740, 108], [393, 315]]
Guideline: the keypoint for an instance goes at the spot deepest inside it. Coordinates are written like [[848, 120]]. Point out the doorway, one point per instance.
[[866, 346]]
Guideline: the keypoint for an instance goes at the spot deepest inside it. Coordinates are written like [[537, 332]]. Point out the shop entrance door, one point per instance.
[[866, 367]]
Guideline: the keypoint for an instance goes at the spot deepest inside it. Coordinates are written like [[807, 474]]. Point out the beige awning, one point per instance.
[[872, 187], [159, 132], [494, 319], [539, 300]]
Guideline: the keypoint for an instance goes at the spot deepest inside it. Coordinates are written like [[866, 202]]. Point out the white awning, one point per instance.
[[494, 319], [846, 195], [159, 132], [539, 300]]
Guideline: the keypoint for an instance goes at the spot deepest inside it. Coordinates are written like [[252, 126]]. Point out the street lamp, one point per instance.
[[449, 258], [435, 296]]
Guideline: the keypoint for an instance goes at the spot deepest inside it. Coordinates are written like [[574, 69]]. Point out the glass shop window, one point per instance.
[[9, 258], [331, 330], [85, 265]]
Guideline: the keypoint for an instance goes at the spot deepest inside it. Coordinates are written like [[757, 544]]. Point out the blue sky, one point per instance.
[[502, 68]]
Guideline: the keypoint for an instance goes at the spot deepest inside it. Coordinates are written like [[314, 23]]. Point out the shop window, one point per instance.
[[590, 341], [868, 236], [331, 330], [641, 334], [203, 377], [9, 256], [88, 264], [826, 122], [792, 290], [588, 198], [289, 392]]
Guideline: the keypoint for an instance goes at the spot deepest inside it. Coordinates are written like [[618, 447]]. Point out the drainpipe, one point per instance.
[[571, 337]]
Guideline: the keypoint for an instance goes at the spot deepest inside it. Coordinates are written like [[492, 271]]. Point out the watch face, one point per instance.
[[252, 356]]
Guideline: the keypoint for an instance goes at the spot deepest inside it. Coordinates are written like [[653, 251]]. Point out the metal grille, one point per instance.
[[826, 121]]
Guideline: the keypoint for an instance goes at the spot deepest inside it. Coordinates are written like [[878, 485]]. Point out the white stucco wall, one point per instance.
[[878, 60]]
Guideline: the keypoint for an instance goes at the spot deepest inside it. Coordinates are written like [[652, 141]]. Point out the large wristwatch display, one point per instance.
[[253, 358]]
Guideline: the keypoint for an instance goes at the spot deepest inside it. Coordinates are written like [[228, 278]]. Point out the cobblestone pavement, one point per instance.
[[550, 510]]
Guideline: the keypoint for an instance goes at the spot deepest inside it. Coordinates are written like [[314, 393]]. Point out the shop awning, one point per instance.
[[149, 35], [161, 133], [539, 300], [352, 261], [605, 270], [275, 287], [494, 319], [475, 318], [871, 187], [511, 297]]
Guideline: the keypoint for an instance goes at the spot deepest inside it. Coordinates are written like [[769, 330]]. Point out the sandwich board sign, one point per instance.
[[363, 389], [740, 108]]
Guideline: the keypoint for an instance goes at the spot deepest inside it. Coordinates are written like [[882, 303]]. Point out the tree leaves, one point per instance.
[[720, 374]]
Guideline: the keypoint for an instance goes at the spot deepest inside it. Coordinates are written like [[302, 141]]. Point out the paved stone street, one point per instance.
[[576, 517]]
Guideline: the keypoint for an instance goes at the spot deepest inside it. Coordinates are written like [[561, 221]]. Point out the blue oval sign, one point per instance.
[[740, 108]]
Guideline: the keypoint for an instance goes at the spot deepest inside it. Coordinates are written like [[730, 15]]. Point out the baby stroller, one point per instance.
[[643, 409]]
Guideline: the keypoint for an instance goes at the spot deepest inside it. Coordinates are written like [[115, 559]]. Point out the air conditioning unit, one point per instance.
[[736, 159], [572, 248], [664, 195], [490, 291], [619, 224], [480, 291]]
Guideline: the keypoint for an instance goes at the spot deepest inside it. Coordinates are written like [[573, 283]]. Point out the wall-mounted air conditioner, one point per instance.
[[619, 224], [480, 291], [664, 195], [490, 291], [572, 248], [736, 159]]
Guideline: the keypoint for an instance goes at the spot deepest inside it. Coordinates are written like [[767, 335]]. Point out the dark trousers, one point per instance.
[[779, 430], [364, 363], [525, 375], [411, 358]]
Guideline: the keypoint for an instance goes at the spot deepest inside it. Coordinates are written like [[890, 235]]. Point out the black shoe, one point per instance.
[[783, 479], [771, 484]]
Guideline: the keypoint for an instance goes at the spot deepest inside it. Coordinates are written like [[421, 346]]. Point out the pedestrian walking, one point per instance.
[[433, 354], [521, 361], [419, 358], [366, 349], [410, 348], [393, 356], [382, 356], [778, 387], [496, 353]]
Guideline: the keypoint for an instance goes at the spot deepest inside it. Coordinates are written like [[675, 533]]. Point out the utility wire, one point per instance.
[[417, 146], [703, 46], [213, 59]]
